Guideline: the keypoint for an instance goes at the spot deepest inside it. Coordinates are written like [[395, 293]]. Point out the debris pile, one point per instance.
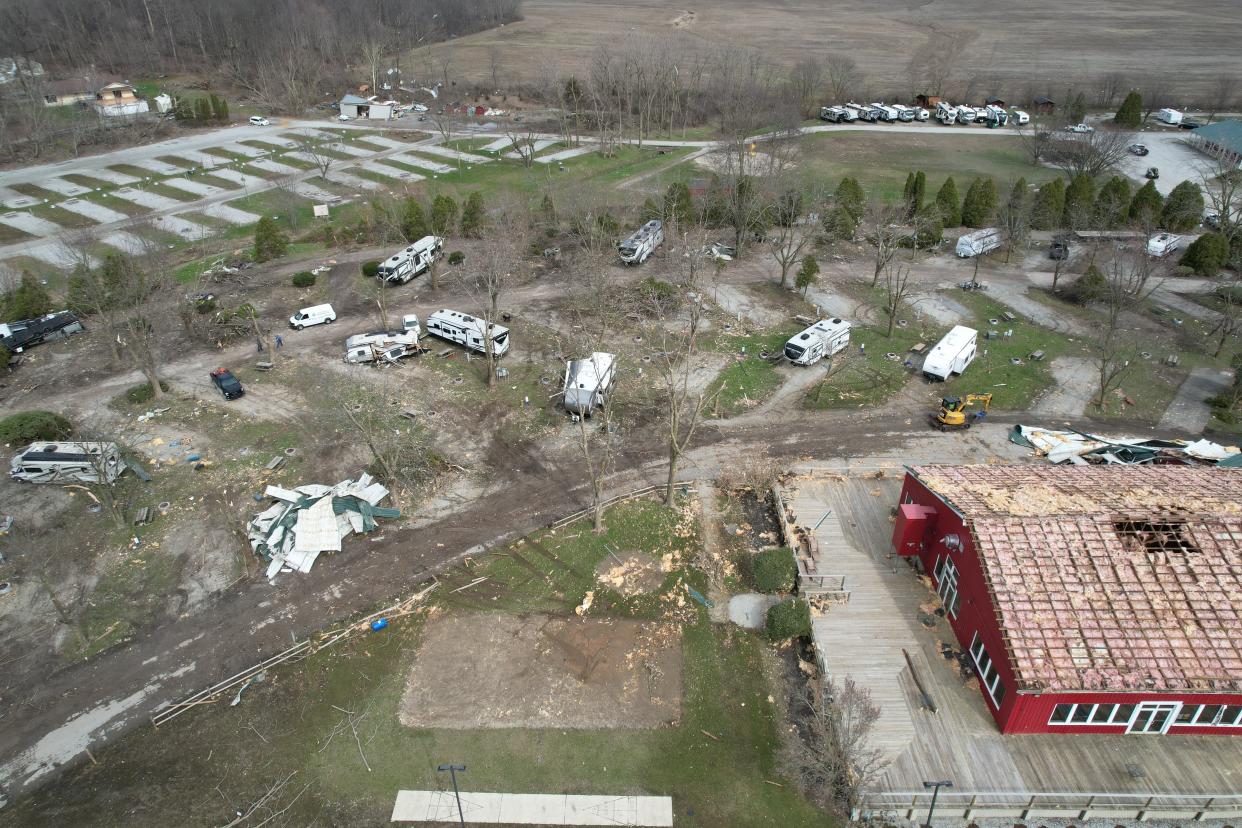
[[310, 519], [1079, 448]]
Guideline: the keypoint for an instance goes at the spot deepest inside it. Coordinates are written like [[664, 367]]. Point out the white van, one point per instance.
[[259, 120], [952, 354], [315, 315]]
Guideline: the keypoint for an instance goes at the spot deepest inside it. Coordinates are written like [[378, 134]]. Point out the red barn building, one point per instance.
[[1092, 599]]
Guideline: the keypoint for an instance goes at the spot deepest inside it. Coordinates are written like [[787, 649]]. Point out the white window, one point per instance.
[[1219, 715], [946, 585], [987, 671]]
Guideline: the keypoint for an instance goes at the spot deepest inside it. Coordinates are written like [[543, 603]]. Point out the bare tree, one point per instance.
[[885, 233], [1092, 153], [1038, 138], [896, 288], [496, 267], [1221, 183], [1155, 89], [1224, 95], [1229, 323], [373, 57], [838, 748], [844, 77], [789, 234], [379, 417], [1014, 218], [1126, 282], [319, 154], [805, 79], [1110, 86]]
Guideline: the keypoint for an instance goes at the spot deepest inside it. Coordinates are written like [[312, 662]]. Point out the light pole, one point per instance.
[[936, 786], [453, 769]]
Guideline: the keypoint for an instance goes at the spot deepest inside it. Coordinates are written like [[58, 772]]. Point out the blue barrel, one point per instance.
[[379, 624]]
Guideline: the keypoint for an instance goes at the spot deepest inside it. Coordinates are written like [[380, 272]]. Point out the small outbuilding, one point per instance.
[[355, 106], [1043, 104]]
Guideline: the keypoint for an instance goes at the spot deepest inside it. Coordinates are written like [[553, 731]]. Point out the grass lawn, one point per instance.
[[215, 181], [130, 169], [374, 175], [35, 191], [11, 235], [291, 722], [864, 377], [221, 152], [65, 218], [265, 145], [176, 161], [88, 181], [169, 191], [749, 379], [121, 205], [881, 161]]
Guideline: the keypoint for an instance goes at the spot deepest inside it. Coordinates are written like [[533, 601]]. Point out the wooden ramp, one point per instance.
[[862, 635]]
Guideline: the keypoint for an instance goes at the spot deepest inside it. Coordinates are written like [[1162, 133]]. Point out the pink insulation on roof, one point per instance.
[[1109, 577]]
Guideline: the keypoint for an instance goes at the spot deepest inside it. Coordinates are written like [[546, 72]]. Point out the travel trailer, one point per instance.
[[823, 339], [1163, 244], [67, 463], [385, 345], [978, 242], [836, 114], [414, 260], [952, 354], [17, 336], [639, 246], [587, 383], [467, 331]]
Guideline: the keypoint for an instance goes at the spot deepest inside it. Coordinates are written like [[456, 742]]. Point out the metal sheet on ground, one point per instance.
[[533, 809]]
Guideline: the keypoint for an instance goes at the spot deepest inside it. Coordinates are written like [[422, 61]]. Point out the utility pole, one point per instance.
[[453, 769]]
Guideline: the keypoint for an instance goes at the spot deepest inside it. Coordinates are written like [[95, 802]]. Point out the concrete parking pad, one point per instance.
[[153, 201], [380, 140], [112, 176], [239, 178], [60, 185], [564, 155], [497, 145], [182, 227], [158, 167], [91, 210], [348, 180], [55, 254], [314, 193], [244, 149], [538, 146], [345, 148], [229, 214], [11, 200], [382, 167], [1189, 410], [126, 243], [422, 163], [532, 809], [456, 155], [192, 186], [274, 166], [33, 225]]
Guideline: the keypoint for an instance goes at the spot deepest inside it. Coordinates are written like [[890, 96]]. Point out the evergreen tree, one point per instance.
[[907, 192], [1130, 114], [472, 215], [808, 274], [548, 208], [26, 301], [980, 203], [1077, 109], [948, 204], [1079, 209], [1049, 205], [443, 214], [1206, 254], [414, 220], [928, 228], [223, 115], [1113, 203], [850, 197], [270, 241], [1146, 205], [918, 194], [202, 111], [1183, 208], [182, 109], [678, 205]]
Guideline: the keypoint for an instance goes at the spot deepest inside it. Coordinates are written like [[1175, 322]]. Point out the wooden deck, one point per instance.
[[961, 742]]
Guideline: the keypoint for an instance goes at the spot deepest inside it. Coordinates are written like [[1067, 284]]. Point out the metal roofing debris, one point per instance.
[[1108, 577], [310, 519], [1078, 448]]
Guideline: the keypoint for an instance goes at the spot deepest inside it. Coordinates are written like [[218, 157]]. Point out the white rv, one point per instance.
[[952, 354], [997, 115], [823, 339], [404, 265], [979, 242], [1163, 244], [587, 383], [467, 331], [1020, 118], [639, 246], [865, 113], [836, 114], [856, 112], [377, 345], [884, 114], [966, 115], [1169, 116], [921, 114], [904, 113], [67, 462], [946, 113]]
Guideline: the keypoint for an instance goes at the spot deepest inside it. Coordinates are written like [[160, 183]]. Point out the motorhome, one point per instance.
[[467, 331], [640, 244], [951, 354], [17, 336], [865, 113], [904, 113], [856, 112], [314, 315], [946, 113], [1163, 244], [979, 242], [823, 339], [63, 462], [404, 265], [588, 382], [1019, 117], [997, 115], [966, 115], [884, 114], [836, 114]]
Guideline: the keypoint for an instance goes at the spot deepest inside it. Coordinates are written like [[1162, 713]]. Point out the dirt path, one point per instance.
[[1189, 411]]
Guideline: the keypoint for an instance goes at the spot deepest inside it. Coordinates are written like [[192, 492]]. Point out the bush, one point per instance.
[[1206, 254], [789, 619], [1089, 287], [303, 278], [28, 426], [140, 394], [456, 257], [270, 242], [205, 306], [26, 301], [775, 570], [370, 269]]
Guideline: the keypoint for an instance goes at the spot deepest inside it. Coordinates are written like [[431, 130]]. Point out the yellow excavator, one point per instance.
[[953, 414]]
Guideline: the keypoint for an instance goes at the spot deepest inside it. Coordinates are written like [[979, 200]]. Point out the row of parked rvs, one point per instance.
[[829, 337], [945, 113]]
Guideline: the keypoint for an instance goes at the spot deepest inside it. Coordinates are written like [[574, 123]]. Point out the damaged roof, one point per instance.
[[1107, 578]]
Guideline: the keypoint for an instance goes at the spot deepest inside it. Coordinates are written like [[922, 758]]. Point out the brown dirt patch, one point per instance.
[[542, 671], [633, 573]]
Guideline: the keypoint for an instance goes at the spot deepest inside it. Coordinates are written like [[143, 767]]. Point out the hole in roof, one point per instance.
[[1155, 536]]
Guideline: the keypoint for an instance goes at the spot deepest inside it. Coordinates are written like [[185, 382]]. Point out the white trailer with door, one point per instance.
[[588, 383], [67, 462], [639, 245], [404, 265], [468, 331], [951, 354], [979, 242], [823, 339]]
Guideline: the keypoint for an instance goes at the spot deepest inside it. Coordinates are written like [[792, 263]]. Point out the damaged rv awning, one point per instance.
[[306, 521]]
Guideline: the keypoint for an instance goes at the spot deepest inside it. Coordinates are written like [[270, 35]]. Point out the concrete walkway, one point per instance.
[[532, 809], [1189, 410]]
